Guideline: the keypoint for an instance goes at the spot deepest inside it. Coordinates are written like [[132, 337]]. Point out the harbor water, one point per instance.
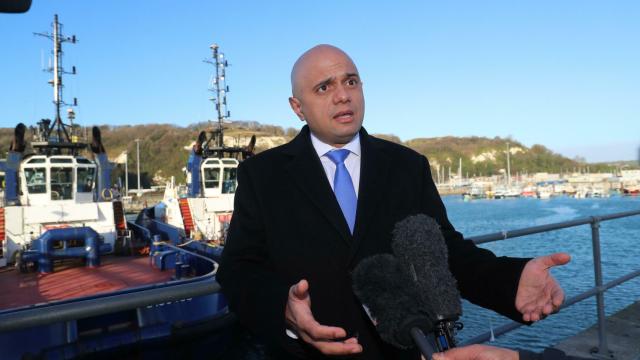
[[619, 247]]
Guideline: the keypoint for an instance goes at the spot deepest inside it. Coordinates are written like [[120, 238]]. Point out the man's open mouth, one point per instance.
[[343, 115]]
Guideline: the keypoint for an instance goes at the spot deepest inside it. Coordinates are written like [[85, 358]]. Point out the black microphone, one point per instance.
[[420, 248], [15, 6], [391, 300]]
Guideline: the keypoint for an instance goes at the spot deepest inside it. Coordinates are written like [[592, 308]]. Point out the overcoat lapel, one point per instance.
[[374, 171], [308, 174]]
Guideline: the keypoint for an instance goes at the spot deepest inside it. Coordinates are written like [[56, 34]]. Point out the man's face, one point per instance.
[[328, 95]]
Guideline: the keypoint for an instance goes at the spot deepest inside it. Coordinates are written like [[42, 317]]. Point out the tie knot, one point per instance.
[[338, 156]]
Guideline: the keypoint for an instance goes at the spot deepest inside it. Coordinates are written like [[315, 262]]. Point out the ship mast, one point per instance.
[[63, 137], [219, 89], [211, 141]]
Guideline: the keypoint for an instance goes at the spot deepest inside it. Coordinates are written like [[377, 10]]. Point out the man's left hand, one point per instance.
[[539, 294]]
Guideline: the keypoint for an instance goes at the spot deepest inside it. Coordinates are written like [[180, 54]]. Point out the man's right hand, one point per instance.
[[324, 338]]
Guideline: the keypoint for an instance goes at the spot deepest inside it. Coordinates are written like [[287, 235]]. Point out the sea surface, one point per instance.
[[620, 249]]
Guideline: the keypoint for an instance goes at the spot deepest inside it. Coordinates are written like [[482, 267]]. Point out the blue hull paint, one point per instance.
[[205, 314]]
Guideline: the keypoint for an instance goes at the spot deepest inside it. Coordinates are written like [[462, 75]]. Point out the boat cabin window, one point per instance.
[[61, 161], [86, 178], [212, 162], [81, 160], [211, 178], [36, 180], [229, 178], [61, 183], [36, 161]]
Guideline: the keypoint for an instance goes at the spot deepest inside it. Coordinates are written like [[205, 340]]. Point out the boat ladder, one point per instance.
[[187, 219]]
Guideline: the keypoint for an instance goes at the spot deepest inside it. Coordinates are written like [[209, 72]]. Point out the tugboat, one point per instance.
[[75, 277], [56, 190], [204, 211]]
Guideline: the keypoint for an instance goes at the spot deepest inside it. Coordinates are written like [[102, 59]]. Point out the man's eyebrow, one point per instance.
[[326, 81], [353, 75]]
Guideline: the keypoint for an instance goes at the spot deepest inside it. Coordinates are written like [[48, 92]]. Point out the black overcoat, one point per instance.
[[288, 226]]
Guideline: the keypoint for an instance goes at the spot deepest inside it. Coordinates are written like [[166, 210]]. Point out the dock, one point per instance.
[[623, 337]]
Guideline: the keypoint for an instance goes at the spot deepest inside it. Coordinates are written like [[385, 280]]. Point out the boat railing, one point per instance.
[[140, 232], [598, 290]]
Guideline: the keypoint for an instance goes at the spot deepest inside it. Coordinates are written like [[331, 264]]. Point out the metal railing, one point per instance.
[[127, 299], [598, 290]]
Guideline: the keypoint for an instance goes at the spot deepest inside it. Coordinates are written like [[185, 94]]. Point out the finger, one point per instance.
[[547, 309], [319, 332], [555, 259], [351, 341], [537, 311], [300, 290], [527, 308], [337, 348], [328, 347], [535, 316], [557, 297], [526, 312], [531, 313]]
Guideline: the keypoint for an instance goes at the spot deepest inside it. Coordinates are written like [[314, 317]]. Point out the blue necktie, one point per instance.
[[343, 187]]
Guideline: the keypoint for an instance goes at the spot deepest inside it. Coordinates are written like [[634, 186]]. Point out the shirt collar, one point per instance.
[[323, 148]]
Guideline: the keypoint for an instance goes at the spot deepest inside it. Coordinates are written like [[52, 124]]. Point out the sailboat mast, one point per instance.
[[508, 166], [459, 171]]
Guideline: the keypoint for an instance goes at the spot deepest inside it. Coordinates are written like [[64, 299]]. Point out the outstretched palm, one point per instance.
[[539, 294], [327, 339]]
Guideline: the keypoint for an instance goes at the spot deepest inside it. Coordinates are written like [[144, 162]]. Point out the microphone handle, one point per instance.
[[422, 343], [444, 335]]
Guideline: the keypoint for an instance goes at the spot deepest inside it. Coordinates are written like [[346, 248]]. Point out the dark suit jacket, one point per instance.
[[288, 226]]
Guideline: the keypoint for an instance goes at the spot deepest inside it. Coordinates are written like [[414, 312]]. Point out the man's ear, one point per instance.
[[296, 106]]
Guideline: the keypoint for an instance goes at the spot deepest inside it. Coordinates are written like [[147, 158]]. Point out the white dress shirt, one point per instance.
[[352, 162]]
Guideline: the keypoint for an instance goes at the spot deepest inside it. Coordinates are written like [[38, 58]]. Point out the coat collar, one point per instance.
[[307, 172]]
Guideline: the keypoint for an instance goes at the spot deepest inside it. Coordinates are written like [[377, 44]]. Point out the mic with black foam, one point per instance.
[[420, 248], [392, 302]]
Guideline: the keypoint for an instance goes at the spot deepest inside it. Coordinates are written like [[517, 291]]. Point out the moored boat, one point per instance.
[[205, 209], [75, 280]]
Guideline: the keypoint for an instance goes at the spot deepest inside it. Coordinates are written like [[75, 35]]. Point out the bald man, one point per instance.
[[307, 212]]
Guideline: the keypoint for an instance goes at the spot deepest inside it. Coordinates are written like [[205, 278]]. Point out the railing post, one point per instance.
[[603, 349]]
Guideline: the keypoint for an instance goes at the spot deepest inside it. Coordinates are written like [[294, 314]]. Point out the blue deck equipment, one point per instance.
[[43, 252]]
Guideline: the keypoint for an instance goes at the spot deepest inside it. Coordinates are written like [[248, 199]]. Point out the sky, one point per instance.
[[564, 74]]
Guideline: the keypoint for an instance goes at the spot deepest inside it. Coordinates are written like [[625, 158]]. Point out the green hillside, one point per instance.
[[164, 150]]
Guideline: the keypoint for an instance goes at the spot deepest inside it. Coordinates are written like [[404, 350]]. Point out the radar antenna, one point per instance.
[[63, 133], [212, 144]]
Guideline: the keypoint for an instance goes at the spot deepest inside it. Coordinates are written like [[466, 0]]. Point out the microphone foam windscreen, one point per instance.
[[420, 247], [387, 291]]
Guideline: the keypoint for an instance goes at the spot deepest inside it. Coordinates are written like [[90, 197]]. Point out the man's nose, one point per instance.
[[341, 95]]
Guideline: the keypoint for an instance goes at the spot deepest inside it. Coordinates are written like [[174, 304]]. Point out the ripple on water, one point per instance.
[[619, 247]]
